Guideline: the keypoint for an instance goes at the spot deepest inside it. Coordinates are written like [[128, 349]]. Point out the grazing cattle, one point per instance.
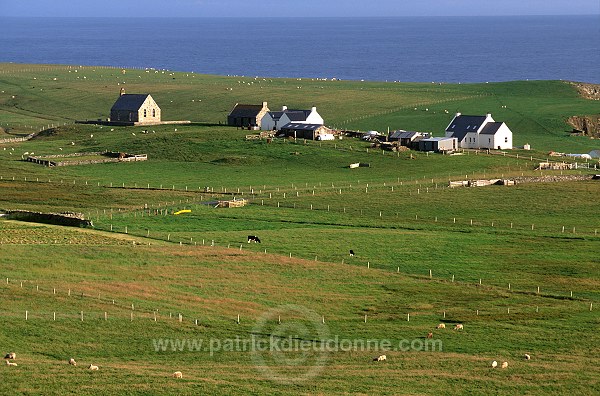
[[93, 368], [441, 326], [72, 362], [504, 365], [11, 355], [527, 357], [430, 335], [380, 358], [458, 327], [494, 364], [177, 374], [11, 363], [351, 253], [253, 238]]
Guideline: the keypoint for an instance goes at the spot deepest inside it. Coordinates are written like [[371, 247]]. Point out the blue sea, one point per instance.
[[420, 49]]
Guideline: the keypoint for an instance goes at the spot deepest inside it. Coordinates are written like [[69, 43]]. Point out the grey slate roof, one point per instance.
[[297, 115], [130, 102], [463, 124], [245, 110], [276, 115], [404, 134], [491, 128], [301, 127]]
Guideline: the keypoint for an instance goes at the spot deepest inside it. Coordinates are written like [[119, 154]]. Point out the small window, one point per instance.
[[153, 112], [506, 139], [144, 113]]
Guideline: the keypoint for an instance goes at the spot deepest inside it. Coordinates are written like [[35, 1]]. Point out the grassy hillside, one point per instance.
[[425, 254], [536, 111]]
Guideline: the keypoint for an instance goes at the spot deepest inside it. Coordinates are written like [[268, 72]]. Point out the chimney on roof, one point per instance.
[[122, 92], [264, 105], [489, 115], [283, 108], [314, 109], [458, 114]]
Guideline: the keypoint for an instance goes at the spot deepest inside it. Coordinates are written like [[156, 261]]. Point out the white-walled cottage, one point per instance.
[[477, 132], [275, 120]]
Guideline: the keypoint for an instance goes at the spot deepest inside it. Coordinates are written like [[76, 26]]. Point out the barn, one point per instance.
[[306, 131], [247, 115], [135, 108]]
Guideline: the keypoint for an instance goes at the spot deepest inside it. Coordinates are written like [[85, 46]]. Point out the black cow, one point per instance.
[[351, 253], [253, 238]]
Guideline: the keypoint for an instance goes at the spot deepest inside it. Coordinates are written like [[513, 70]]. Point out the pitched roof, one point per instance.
[[463, 124], [404, 134], [301, 127], [276, 115], [130, 102], [297, 115], [491, 128], [245, 110]]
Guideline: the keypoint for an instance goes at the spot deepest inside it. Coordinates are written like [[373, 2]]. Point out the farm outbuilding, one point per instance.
[[247, 115], [438, 144], [407, 138], [306, 131], [135, 108]]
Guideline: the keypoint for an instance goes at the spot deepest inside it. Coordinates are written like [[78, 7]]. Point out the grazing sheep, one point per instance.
[[527, 357], [72, 362], [177, 374], [430, 335], [441, 326], [458, 327], [380, 358], [494, 364], [504, 365], [11, 355], [93, 368], [11, 363]]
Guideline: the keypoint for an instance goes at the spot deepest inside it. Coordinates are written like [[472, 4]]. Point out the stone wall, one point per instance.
[[65, 219]]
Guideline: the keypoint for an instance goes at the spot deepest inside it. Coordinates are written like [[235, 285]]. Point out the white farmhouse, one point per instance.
[[275, 120], [480, 132]]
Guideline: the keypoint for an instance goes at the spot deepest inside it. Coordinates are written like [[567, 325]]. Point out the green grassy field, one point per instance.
[[424, 252]]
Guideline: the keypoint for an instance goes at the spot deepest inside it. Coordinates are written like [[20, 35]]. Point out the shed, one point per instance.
[[438, 144]]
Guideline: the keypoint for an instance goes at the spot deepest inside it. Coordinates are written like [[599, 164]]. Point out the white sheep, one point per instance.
[[177, 374], [441, 326], [494, 364], [458, 327], [504, 365], [93, 368], [527, 357], [11, 355], [380, 358], [11, 363], [72, 362]]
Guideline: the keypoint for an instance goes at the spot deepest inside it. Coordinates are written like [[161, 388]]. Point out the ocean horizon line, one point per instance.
[[301, 17]]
